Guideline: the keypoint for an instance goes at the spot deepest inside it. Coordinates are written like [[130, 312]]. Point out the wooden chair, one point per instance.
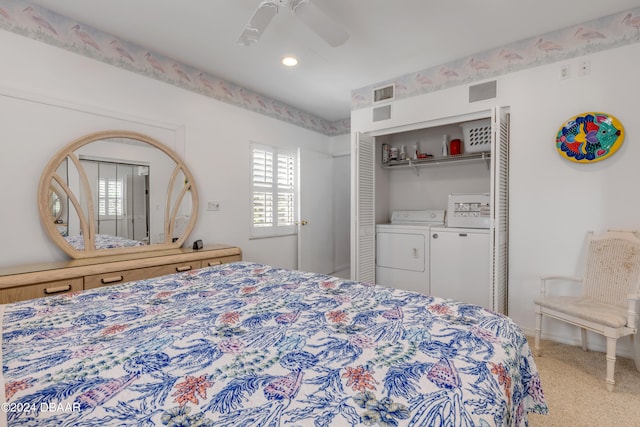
[[608, 301]]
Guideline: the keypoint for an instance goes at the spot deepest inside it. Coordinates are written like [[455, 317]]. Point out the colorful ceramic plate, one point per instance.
[[589, 137]]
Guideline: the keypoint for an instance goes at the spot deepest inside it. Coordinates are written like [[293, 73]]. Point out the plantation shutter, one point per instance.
[[274, 191], [109, 197]]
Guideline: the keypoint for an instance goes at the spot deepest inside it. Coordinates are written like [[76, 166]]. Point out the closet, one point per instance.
[[424, 182]]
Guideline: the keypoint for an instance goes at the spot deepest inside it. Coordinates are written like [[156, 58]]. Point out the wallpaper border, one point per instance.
[[46, 26], [600, 34], [43, 25]]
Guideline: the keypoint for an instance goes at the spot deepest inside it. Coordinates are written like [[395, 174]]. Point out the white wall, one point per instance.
[[212, 137], [341, 212], [553, 202], [341, 150]]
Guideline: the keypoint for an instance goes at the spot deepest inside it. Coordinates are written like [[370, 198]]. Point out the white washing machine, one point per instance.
[[402, 249], [460, 265]]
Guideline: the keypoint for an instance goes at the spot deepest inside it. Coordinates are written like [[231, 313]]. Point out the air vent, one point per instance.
[[381, 113], [383, 93], [483, 91]]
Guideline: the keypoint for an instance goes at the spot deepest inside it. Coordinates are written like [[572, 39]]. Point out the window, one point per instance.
[[274, 200], [109, 197]]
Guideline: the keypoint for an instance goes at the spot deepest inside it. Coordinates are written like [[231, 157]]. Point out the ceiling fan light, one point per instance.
[[289, 61]]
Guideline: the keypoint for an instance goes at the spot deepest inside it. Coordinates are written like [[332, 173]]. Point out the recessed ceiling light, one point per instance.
[[289, 61]]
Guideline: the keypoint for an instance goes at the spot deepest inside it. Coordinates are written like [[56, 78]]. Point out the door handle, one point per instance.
[[303, 222]]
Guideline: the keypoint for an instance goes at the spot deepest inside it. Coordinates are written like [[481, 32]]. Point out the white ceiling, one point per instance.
[[388, 38]]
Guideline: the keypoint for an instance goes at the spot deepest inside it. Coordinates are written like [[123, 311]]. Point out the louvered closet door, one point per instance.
[[499, 232], [365, 209]]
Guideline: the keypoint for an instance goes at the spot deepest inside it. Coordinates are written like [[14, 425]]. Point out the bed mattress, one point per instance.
[[247, 344]]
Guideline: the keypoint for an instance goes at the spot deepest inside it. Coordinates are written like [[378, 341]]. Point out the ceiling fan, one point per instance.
[[329, 30]]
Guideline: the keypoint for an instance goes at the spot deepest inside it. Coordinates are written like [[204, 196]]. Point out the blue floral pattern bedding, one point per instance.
[[247, 344], [103, 241]]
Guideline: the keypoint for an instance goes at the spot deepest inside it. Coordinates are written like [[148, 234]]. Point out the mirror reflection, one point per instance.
[[120, 202], [116, 192]]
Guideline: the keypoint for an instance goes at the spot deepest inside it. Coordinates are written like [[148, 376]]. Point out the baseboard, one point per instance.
[[341, 267]]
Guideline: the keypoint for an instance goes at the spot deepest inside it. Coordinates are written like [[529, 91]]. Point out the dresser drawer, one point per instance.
[[177, 267], [20, 293], [116, 277], [210, 262]]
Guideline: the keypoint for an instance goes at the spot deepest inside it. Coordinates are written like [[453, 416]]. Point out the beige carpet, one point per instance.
[[575, 390]]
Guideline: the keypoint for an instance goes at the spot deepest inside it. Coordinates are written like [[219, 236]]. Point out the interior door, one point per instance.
[[499, 231], [363, 268], [315, 220]]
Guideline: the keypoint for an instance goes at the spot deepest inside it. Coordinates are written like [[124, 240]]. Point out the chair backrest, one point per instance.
[[612, 270]]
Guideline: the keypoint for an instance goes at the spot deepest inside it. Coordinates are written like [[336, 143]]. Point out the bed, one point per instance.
[[103, 241], [247, 344]]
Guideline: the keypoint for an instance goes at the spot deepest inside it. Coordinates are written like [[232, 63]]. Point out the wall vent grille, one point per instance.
[[381, 113], [385, 93], [483, 91]]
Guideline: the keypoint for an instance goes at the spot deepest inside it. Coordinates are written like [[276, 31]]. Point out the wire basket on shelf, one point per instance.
[[477, 136]]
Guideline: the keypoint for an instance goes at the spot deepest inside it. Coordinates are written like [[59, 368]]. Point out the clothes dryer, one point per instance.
[[402, 249]]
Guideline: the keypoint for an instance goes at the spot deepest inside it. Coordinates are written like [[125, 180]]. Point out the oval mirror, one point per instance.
[[116, 192]]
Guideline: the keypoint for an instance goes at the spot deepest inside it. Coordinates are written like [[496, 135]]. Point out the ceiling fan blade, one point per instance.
[[319, 22], [258, 23]]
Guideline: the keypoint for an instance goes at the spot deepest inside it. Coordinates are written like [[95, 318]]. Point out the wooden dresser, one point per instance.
[[39, 280]]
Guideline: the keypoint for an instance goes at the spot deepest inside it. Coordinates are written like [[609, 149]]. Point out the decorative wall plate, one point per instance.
[[589, 137]]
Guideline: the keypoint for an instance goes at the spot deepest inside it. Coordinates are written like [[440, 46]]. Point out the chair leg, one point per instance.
[[635, 339], [583, 338], [611, 362], [536, 345]]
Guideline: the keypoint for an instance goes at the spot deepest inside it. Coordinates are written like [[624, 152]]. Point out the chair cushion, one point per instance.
[[605, 314]]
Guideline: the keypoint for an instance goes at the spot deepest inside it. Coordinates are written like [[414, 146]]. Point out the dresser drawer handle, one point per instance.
[[183, 268], [114, 279], [212, 263], [57, 290]]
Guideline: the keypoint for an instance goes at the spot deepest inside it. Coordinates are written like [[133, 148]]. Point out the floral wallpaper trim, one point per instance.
[[44, 25], [41, 24], [597, 35]]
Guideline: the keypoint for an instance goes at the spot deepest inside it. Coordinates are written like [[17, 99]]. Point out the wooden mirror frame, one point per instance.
[[87, 219], [54, 191]]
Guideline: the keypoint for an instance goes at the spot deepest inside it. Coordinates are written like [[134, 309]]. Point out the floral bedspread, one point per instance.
[[103, 241], [246, 344]]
